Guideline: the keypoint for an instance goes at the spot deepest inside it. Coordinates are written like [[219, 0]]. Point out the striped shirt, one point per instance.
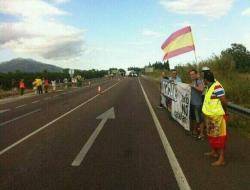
[[218, 92]]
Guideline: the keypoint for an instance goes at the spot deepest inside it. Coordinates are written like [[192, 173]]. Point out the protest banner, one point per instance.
[[179, 95]]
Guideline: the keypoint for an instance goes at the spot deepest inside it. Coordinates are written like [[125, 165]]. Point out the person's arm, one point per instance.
[[199, 87], [220, 93], [224, 103]]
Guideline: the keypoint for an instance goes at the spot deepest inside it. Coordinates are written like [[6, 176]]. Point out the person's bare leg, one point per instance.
[[193, 128], [202, 125], [213, 153], [221, 160]]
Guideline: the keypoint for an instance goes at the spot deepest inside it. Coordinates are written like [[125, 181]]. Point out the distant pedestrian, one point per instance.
[[35, 86], [196, 116], [65, 81], [46, 85], [22, 86], [53, 83], [214, 109], [38, 83]]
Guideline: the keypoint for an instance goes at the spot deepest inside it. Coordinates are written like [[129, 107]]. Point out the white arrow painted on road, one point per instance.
[[3, 111], [109, 114]]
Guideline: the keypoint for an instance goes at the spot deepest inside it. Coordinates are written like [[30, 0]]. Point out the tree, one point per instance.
[[166, 65], [240, 55], [159, 65], [122, 72]]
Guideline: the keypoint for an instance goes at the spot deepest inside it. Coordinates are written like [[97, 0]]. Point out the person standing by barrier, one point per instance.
[[214, 109], [163, 76], [174, 76], [22, 86], [197, 87]]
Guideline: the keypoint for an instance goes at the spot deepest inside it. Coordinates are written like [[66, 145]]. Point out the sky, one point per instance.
[[100, 34]]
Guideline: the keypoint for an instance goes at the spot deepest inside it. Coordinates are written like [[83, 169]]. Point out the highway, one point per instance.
[[117, 139]]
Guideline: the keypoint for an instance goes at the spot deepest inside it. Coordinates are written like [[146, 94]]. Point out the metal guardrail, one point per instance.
[[233, 108], [238, 109]]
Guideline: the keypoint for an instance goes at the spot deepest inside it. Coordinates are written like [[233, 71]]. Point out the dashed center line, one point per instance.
[[51, 122], [35, 101], [20, 106], [19, 117], [3, 111]]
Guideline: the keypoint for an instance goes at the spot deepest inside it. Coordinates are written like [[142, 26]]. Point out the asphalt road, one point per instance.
[[79, 139]]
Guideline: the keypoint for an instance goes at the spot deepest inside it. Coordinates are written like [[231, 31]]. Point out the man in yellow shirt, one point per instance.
[[214, 110]]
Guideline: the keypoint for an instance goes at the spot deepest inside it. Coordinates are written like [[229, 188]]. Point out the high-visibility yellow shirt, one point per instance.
[[212, 106]]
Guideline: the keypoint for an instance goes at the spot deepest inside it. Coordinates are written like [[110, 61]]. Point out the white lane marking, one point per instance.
[[179, 175], [19, 117], [3, 111], [20, 106], [53, 121], [109, 114], [47, 98], [35, 102]]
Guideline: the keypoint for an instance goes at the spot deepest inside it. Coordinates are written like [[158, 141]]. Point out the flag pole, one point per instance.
[[195, 56]]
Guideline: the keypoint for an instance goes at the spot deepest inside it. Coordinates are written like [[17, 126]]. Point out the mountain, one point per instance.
[[27, 65]]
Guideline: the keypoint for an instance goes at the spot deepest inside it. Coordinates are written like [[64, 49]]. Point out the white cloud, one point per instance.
[[29, 9], [209, 8], [184, 24], [38, 32], [60, 1], [150, 33], [246, 12]]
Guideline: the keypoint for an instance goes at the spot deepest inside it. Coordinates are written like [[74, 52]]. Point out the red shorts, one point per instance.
[[217, 142]]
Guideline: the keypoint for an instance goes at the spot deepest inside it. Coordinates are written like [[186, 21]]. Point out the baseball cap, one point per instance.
[[205, 69]]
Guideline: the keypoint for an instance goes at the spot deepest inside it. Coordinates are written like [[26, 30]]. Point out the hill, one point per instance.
[[27, 65]]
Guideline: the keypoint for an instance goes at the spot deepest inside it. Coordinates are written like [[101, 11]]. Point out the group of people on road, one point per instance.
[[40, 86], [208, 110]]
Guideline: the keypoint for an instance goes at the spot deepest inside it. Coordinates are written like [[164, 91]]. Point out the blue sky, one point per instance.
[[88, 34]]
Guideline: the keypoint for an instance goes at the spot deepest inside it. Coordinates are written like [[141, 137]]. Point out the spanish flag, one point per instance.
[[178, 43]]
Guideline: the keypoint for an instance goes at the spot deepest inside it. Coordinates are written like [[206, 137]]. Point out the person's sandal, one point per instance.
[[200, 138]]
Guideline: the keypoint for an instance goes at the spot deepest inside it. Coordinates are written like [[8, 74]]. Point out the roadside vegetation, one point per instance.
[[10, 80]]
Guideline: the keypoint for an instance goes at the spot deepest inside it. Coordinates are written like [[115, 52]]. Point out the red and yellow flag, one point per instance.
[[178, 43]]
